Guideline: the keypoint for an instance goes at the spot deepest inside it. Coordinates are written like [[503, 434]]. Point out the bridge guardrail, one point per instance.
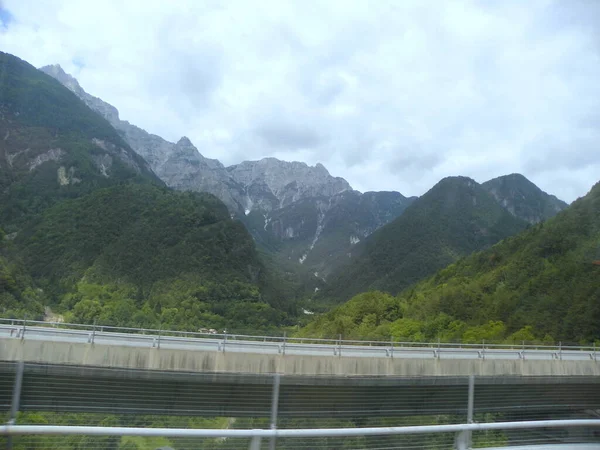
[[281, 344]]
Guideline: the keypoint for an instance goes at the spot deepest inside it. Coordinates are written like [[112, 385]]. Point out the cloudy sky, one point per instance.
[[391, 95]]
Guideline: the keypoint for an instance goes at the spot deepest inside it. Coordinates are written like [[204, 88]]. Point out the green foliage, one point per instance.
[[138, 233], [45, 128], [455, 218], [146, 256], [19, 298], [539, 286]]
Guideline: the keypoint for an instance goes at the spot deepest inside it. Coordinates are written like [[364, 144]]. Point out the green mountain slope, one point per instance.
[[523, 199], [52, 146], [141, 254], [455, 218], [18, 295], [543, 285]]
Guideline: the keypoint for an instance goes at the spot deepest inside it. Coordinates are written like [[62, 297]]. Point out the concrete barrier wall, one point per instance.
[[252, 363]]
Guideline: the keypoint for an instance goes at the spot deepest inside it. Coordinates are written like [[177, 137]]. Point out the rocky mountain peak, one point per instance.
[[106, 110], [321, 168], [57, 72], [288, 181], [184, 141]]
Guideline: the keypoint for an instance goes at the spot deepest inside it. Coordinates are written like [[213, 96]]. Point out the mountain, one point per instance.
[[269, 183], [453, 219], [179, 165], [304, 218], [523, 199], [90, 231], [52, 146], [142, 254], [319, 232], [542, 285], [310, 223]]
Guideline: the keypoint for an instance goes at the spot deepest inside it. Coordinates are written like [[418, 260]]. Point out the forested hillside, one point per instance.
[[140, 255], [18, 295], [90, 231], [541, 285], [455, 218], [52, 146]]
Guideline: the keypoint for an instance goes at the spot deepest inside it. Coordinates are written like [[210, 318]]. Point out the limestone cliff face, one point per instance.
[[285, 182]]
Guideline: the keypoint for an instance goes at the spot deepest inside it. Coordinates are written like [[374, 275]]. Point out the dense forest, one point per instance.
[[541, 285], [141, 255], [453, 219]]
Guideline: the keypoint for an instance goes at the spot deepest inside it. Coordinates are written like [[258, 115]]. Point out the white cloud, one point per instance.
[[390, 95]]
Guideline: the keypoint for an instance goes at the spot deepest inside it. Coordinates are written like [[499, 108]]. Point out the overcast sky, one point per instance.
[[391, 95]]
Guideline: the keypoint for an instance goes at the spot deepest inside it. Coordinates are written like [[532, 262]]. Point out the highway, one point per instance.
[[294, 346]]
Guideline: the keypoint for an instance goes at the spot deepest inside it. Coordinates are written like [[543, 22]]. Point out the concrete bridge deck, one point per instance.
[[62, 376], [44, 350], [72, 374]]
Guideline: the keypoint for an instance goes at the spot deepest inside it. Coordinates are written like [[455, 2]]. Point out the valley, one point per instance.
[[104, 222]]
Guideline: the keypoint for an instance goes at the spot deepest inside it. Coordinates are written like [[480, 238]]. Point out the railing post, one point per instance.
[[392, 347], [16, 400], [340, 346], [471, 399], [283, 346], [462, 441], [274, 408], [255, 443], [93, 333], [159, 332], [560, 350]]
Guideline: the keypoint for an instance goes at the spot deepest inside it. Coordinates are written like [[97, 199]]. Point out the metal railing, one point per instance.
[[30, 387], [462, 432], [282, 344]]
